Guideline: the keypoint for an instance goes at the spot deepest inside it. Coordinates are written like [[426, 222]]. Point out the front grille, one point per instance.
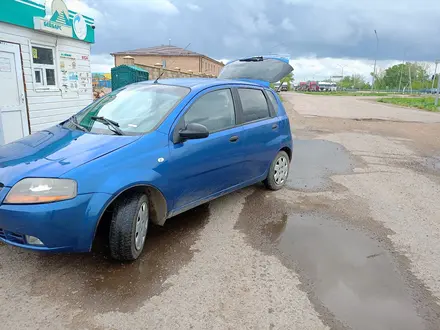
[[12, 237]]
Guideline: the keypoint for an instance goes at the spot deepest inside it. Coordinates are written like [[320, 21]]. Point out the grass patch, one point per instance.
[[346, 93], [424, 103]]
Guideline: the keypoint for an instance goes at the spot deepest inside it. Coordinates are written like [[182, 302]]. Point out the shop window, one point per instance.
[[50, 77], [44, 66], [38, 76]]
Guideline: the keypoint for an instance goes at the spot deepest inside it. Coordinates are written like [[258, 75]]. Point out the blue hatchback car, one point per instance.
[[145, 153]]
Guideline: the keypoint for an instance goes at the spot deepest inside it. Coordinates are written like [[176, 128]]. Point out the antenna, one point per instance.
[[155, 82]]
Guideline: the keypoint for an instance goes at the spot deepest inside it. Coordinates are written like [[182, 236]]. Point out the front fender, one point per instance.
[[142, 163]]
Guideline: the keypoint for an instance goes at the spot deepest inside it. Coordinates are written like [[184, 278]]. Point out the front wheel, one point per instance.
[[278, 172], [128, 228]]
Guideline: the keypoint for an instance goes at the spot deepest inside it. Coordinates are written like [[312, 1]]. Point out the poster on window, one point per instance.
[[85, 82], [69, 75], [69, 82]]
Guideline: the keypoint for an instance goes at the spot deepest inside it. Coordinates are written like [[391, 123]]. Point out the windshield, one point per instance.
[[136, 109]]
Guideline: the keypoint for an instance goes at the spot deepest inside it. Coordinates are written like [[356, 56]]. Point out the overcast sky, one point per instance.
[[318, 35]]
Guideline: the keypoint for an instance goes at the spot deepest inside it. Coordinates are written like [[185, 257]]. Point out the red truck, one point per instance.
[[309, 86], [313, 86]]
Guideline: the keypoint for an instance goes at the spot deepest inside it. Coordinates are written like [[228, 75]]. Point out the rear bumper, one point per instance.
[[67, 226]]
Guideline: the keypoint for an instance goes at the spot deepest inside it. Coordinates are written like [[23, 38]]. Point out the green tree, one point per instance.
[[356, 81], [400, 76], [288, 79]]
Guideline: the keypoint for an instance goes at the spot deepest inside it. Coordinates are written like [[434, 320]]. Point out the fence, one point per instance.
[[156, 71]]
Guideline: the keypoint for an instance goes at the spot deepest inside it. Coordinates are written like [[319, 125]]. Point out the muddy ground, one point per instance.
[[352, 242]]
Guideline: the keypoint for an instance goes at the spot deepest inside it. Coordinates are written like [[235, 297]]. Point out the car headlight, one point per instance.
[[41, 190]]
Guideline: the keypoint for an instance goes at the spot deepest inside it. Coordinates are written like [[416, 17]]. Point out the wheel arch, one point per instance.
[[156, 202], [288, 151]]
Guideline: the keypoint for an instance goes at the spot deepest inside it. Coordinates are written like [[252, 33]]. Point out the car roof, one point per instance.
[[200, 83]]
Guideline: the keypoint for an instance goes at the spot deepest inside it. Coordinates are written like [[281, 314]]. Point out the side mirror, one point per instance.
[[193, 131]]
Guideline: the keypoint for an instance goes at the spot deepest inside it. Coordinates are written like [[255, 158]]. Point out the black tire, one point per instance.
[[122, 234], [270, 181]]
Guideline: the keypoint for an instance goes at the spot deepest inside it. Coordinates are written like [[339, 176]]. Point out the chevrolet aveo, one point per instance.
[[145, 153]]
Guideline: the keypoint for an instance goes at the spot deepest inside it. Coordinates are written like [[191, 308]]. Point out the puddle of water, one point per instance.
[[95, 281], [351, 274], [313, 163], [431, 163]]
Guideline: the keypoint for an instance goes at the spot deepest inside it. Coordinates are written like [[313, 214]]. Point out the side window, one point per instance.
[[273, 101], [254, 104], [215, 110]]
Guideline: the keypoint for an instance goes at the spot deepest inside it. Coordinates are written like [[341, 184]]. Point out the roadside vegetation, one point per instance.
[[424, 103], [343, 93], [404, 77]]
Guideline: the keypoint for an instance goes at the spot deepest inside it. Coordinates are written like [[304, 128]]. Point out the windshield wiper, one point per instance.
[[110, 123], [74, 121]]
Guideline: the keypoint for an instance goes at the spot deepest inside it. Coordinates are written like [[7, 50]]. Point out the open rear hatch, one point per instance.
[[267, 69]]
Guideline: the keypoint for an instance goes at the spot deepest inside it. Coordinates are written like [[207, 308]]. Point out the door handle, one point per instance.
[[233, 138], [274, 126]]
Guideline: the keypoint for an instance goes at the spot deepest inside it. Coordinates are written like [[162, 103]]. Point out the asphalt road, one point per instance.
[[352, 242]]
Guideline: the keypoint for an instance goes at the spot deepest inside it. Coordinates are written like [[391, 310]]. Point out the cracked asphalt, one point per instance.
[[352, 242]]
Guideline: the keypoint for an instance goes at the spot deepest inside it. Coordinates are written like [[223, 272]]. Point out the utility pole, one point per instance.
[[375, 60], [435, 72], [438, 89], [400, 79], [409, 74], [342, 70], [401, 70]]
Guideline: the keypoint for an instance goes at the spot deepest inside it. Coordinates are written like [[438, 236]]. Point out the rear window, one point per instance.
[[273, 101], [254, 104]]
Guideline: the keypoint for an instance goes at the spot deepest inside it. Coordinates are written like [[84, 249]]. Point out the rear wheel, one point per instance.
[[278, 172], [128, 228]]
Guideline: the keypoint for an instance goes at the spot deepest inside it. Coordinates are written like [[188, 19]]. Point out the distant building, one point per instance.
[[171, 57]]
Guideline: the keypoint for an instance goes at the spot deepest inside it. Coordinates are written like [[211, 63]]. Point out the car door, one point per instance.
[[261, 131], [202, 168]]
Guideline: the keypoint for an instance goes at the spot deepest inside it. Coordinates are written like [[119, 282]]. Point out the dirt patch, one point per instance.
[[95, 282]]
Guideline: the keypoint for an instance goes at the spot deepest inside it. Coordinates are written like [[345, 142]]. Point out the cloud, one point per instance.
[[193, 7], [83, 8], [303, 29], [286, 24], [165, 7], [79, 6], [223, 60], [313, 68], [102, 63]]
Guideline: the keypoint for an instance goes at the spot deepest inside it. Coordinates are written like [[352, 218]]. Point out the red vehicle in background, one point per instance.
[[313, 86], [309, 86], [303, 86]]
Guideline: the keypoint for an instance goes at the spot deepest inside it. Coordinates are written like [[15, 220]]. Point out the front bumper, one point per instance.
[[66, 226]]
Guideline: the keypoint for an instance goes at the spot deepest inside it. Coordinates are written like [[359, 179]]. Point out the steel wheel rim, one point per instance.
[[141, 226], [281, 170]]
